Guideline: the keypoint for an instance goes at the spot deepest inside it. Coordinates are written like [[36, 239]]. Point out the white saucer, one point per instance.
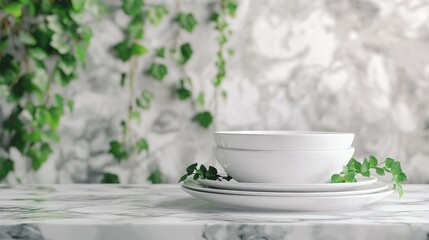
[[271, 187], [376, 187], [264, 203]]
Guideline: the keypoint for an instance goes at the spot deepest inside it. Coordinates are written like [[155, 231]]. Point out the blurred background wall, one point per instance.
[[331, 65]]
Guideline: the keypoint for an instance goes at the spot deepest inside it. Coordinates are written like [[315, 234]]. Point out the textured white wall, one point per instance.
[[334, 65]]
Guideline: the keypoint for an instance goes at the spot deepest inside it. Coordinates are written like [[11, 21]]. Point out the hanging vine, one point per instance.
[[42, 44], [129, 50]]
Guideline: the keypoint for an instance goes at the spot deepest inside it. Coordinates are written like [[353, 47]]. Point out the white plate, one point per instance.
[[284, 140], [376, 187], [269, 187], [263, 203]]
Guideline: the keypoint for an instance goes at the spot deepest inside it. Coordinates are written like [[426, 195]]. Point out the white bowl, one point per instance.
[[284, 140], [285, 167]]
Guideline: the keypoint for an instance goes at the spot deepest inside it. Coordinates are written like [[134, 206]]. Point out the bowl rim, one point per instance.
[[281, 151], [280, 133]]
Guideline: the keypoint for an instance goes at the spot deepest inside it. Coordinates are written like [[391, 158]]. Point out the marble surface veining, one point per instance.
[[112, 212], [332, 65]]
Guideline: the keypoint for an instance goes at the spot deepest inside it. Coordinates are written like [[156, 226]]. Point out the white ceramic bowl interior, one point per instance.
[[284, 140], [285, 167]]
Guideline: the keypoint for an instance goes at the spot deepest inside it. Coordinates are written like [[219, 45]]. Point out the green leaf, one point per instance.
[[27, 38], [116, 149], [187, 21], [122, 50], [183, 93], [155, 177], [135, 27], [224, 95], [141, 145], [132, 7], [191, 168], [78, 5], [157, 71], [85, 34], [200, 99], [156, 13], [134, 115], [6, 166], [145, 100], [379, 171], [396, 168], [159, 52], [39, 155], [204, 119], [402, 177], [372, 161], [70, 105], [183, 55], [60, 43], [336, 178], [388, 162], [350, 177], [13, 8], [4, 43], [183, 178], [67, 64], [354, 164], [80, 52], [364, 169], [137, 49], [37, 53], [231, 5], [110, 178]]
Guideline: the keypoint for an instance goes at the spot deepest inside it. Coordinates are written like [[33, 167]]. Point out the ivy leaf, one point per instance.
[[157, 71], [141, 145], [116, 149], [6, 166], [191, 168], [27, 38], [4, 42], [388, 163], [70, 105], [336, 178], [135, 27], [365, 168], [78, 5], [183, 178], [183, 55], [204, 119], [200, 99], [231, 5], [80, 52], [59, 43], [123, 50], [379, 171], [13, 8], [37, 53], [372, 161], [39, 155], [137, 49], [67, 64], [110, 178], [134, 115], [155, 177], [132, 7], [145, 100], [159, 52], [156, 12], [396, 168], [183, 93], [187, 21]]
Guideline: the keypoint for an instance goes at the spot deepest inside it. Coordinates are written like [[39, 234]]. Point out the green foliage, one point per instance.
[[47, 52], [6, 166], [158, 71], [187, 21], [145, 99], [142, 145], [155, 177], [183, 92], [132, 7], [183, 54], [203, 172], [354, 168], [156, 13], [204, 119], [110, 178], [159, 52], [118, 151], [125, 50]]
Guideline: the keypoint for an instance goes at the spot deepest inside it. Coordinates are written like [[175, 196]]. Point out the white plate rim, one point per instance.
[[243, 202], [317, 187], [377, 187]]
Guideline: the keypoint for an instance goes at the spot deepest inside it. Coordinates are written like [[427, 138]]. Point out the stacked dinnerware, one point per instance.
[[282, 170]]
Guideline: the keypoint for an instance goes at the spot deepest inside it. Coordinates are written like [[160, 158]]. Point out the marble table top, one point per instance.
[[113, 212]]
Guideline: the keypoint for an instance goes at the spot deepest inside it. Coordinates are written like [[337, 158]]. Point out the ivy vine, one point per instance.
[[42, 44]]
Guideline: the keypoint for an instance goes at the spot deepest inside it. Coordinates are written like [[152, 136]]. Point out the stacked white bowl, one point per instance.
[[283, 157]]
